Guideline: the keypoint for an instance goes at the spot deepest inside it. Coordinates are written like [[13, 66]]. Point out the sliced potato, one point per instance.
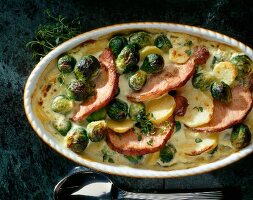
[[200, 108], [148, 50], [160, 109], [198, 143], [179, 55], [152, 158], [226, 72], [120, 126]]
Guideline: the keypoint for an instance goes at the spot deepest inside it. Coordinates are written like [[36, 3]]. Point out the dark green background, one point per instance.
[[29, 169]]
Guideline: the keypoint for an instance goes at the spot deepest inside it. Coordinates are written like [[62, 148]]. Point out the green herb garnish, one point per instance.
[[213, 150], [107, 156], [198, 140], [139, 137], [177, 126], [133, 159], [189, 52], [188, 43], [199, 108], [150, 142], [48, 36], [145, 126]]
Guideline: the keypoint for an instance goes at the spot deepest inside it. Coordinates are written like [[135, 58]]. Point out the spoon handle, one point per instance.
[[172, 196]]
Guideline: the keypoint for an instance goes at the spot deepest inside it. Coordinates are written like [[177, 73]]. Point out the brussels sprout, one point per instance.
[[167, 153], [117, 43], [78, 91], [77, 140], [133, 159], [202, 81], [240, 136], [221, 91], [97, 115], [87, 67], [153, 63], [243, 64], [61, 104], [142, 39], [137, 80], [162, 42], [66, 64], [96, 130], [136, 110], [117, 109], [127, 59], [62, 126]]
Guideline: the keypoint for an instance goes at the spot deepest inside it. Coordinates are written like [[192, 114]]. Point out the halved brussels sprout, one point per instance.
[[153, 63], [117, 109], [202, 81], [78, 91], [66, 64], [61, 104], [62, 125], [240, 136], [96, 130], [136, 109], [87, 67], [163, 42], [77, 140], [137, 80], [221, 92], [141, 38], [127, 59], [243, 64], [116, 44]]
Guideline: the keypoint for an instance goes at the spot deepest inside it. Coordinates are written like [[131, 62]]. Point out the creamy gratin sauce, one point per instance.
[[188, 152]]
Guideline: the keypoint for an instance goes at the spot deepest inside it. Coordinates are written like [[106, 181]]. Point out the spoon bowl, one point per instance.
[[80, 185]]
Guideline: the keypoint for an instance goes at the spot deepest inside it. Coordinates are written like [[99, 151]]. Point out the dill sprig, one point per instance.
[[48, 36]]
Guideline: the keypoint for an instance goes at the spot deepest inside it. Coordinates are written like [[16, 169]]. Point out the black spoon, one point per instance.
[[90, 185]]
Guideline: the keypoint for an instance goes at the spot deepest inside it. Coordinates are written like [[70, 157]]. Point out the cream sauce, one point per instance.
[[181, 140]]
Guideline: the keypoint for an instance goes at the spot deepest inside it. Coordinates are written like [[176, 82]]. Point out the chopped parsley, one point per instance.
[[177, 126], [213, 150], [61, 79], [110, 160], [139, 137], [150, 142], [133, 159], [145, 126], [199, 108], [188, 52], [107, 156], [198, 140], [188, 43]]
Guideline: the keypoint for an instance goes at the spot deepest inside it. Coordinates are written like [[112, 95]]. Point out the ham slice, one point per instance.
[[106, 86], [226, 115], [128, 144], [172, 77], [181, 105]]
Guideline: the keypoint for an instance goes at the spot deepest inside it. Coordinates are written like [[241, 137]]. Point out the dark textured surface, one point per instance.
[[29, 168]]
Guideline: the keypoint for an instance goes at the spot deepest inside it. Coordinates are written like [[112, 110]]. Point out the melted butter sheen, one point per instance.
[[183, 140]]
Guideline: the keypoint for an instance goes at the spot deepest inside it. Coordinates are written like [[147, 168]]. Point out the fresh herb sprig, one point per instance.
[[146, 126], [49, 36]]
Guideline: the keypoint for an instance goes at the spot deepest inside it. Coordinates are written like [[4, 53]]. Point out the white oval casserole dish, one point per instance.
[[125, 170]]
